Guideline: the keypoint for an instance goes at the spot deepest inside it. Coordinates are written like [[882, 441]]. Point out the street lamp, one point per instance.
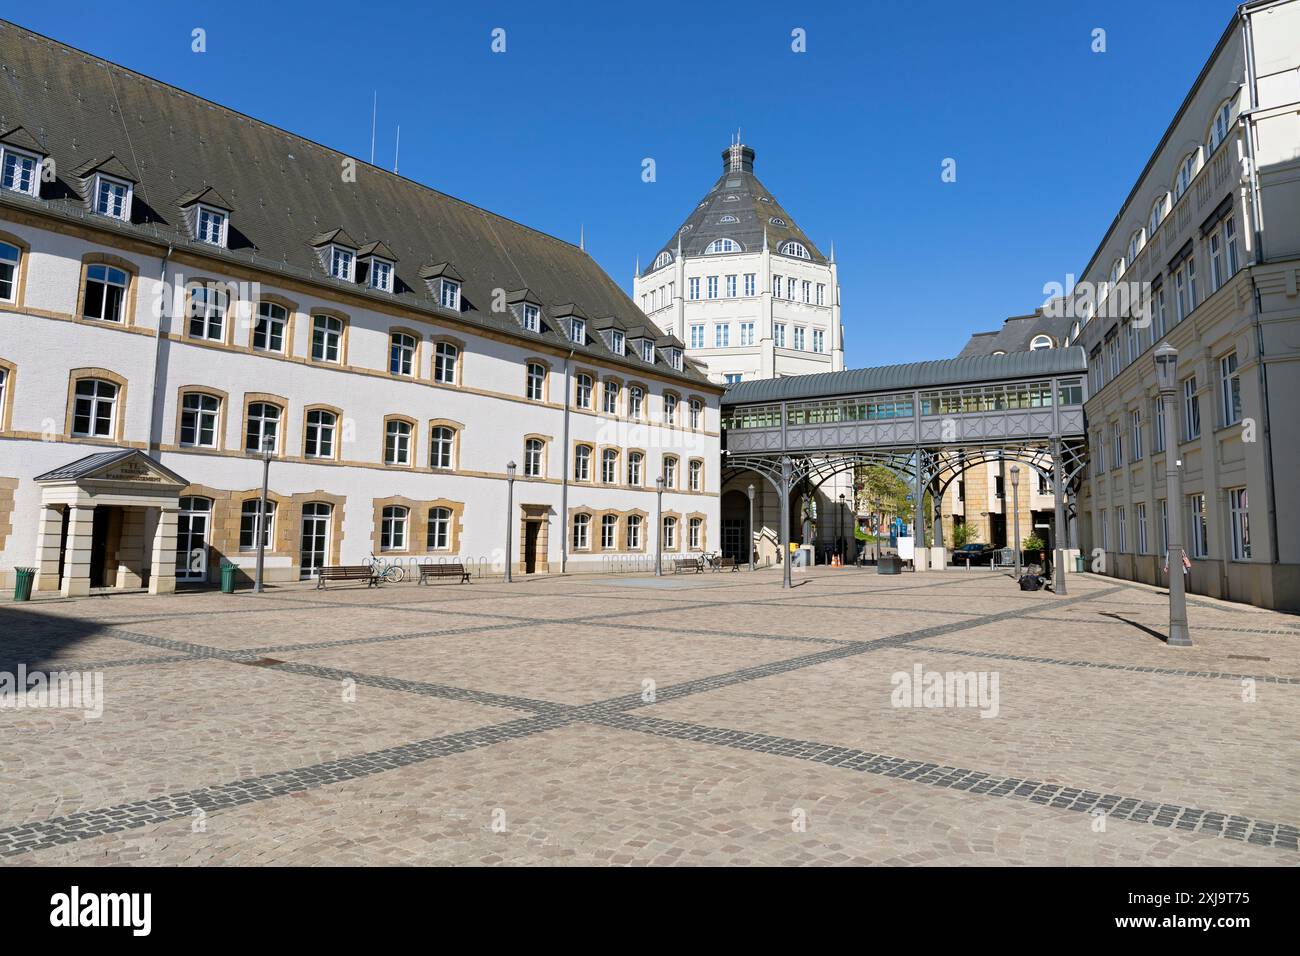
[[1015, 512], [877, 519], [751, 527], [510, 507], [268, 451], [1166, 359], [659, 517]]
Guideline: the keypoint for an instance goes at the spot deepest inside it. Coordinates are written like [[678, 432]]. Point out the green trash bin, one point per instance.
[[23, 584], [1078, 564], [228, 577]]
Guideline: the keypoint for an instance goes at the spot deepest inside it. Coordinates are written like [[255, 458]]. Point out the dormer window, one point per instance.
[[722, 245], [532, 317], [616, 341], [380, 275], [449, 294], [675, 358], [375, 263], [578, 331], [647, 351], [211, 226], [342, 263], [796, 249], [663, 259], [112, 198], [18, 172]]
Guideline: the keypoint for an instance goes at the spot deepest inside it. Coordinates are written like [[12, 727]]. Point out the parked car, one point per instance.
[[977, 553]]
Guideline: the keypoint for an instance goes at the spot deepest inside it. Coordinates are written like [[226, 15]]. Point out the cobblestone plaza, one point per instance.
[[693, 719]]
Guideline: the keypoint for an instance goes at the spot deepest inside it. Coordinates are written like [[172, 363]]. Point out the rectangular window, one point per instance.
[[536, 379], [1218, 276], [731, 287], [695, 529], [1229, 389], [1233, 258], [249, 513], [648, 351], [746, 333], [818, 340], [319, 432], [1164, 526], [750, 283], [721, 336], [616, 341], [1158, 416], [326, 338], [776, 287], [1162, 313], [397, 443], [401, 354], [1135, 434], [581, 532], [445, 358], [212, 228], [1239, 508], [1191, 410], [778, 335], [94, 409], [693, 287], [1198, 540], [608, 532], [1117, 445], [207, 314], [532, 316], [611, 398], [634, 533], [105, 293], [381, 275], [696, 475], [821, 294], [533, 458], [1141, 516], [199, 414], [697, 336], [790, 285], [806, 291], [731, 378], [582, 391], [8, 271], [18, 172], [1122, 528], [1112, 349], [1105, 530], [449, 294], [712, 285], [799, 334], [578, 331], [111, 198]]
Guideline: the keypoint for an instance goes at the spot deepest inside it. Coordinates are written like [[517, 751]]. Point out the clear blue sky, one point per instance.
[[850, 135]]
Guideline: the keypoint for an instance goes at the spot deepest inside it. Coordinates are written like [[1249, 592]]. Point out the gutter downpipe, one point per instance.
[[157, 350], [1248, 50], [564, 474]]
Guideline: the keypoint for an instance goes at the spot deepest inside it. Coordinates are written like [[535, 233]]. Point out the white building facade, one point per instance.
[[173, 303]]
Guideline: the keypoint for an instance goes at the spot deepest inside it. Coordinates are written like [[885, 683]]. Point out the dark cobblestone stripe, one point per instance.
[[1115, 806], [85, 825], [1130, 668], [1286, 632]]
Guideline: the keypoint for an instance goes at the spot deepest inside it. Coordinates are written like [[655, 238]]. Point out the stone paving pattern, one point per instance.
[[493, 724]]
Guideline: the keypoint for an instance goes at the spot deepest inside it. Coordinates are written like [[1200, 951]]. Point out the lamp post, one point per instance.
[[268, 450], [840, 530], [510, 507], [877, 518], [659, 518], [1015, 512], [1166, 359], [751, 527]]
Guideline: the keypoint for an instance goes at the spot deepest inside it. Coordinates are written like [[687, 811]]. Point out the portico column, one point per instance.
[[49, 541], [162, 571], [76, 557]]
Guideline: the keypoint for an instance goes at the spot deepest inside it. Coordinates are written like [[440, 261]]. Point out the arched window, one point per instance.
[[533, 449], [445, 355], [392, 528], [696, 532], [442, 444], [1040, 342], [670, 408], [319, 434], [1159, 209], [9, 256], [796, 249], [326, 338], [439, 536], [609, 466], [582, 390], [728, 219], [397, 442], [535, 382], [1116, 270], [248, 513], [199, 416], [670, 533], [1186, 173], [581, 532], [608, 532], [635, 460], [105, 293], [1135, 244], [722, 245], [94, 411], [670, 471], [269, 332], [663, 259], [263, 428], [582, 463], [1219, 126], [634, 532], [777, 221], [697, 475]]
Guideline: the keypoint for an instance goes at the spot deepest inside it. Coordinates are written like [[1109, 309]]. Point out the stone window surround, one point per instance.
[[128, 299], [417, 524], [119, 409], [20, 278], [223, 402]]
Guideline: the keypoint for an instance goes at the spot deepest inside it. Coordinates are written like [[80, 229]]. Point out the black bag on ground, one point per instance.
[[1030, 582]]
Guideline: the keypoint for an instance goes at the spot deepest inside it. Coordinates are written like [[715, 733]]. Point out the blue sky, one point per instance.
[[1048, 136]]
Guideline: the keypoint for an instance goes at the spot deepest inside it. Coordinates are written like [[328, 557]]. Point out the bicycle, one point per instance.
[[387, 571]]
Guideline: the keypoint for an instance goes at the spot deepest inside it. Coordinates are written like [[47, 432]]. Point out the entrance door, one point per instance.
[[733, 540], [315, 537], [532, 529], [192, 524], [99, 547]]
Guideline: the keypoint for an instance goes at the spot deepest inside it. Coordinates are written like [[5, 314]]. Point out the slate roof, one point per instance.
[[1016, 334], [102, 459], [739, 194], [284, 190], [890, 378]]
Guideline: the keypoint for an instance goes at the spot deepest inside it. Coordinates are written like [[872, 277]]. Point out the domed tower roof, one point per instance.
[[739, 208]]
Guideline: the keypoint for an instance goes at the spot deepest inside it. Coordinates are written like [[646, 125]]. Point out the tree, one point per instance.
[[963, 533]]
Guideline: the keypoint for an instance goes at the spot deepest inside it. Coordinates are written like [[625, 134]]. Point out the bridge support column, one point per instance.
[[1059, 531], [921, 557], [785, 521]]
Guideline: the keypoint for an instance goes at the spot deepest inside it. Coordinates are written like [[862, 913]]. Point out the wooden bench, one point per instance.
[[346, 572], [443, 571], [687, 564], [725, 562]]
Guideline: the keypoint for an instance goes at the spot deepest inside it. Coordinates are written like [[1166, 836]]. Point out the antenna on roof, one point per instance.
[[398, 151], [374, 112]]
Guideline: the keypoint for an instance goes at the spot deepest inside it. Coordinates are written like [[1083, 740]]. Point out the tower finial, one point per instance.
[[636, 273], [832, 252], [582, 237], [765, 237]]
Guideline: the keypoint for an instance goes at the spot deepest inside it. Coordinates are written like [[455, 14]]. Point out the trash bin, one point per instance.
[[23, 583], [228, 577], [1078, 564]]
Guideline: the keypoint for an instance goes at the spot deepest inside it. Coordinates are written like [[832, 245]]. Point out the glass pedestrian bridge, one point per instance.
[[953, 402]]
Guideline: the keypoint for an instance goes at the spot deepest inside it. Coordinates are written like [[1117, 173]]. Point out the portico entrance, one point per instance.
[[108, 521]]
